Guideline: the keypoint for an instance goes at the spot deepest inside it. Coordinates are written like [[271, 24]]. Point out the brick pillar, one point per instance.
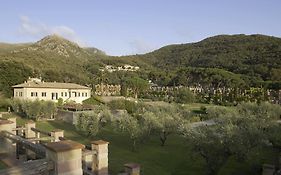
[[57, 134], [66, 156], [132, 168], [100, 157], [28, 132]]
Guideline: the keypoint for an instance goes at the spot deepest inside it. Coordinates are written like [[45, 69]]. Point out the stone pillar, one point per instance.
[[87, 159], [268, 169], [57, 133], [132, 169], [100, 157], [14, 125], [28, 132], [6, 145], [66, 156]]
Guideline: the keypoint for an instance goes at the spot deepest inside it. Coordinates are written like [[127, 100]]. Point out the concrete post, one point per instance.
[[57, 134], [14, 125], [87, 159], [28, 132], [100, 157], [66, 156], [267, 169], [6, 144], [132, 169]]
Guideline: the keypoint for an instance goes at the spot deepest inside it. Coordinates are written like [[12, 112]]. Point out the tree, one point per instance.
[[90, 123], [234, 134], [184, 95], [164, 120], [137, 85], [129, 124]]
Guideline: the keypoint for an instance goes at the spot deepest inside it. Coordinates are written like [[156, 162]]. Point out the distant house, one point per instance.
[[35, 88], [126, 67]]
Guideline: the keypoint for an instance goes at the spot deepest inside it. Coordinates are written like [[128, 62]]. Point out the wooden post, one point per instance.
[[132, 169], [57, 134], [100, 157], [66, 156]]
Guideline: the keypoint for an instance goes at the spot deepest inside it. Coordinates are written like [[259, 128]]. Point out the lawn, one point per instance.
[[176, 158]]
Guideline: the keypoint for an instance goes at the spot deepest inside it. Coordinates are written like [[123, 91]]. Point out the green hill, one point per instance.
[[241, 59], [253, 55]]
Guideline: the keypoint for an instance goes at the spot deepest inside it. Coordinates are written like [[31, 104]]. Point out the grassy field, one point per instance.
[[176, 158]]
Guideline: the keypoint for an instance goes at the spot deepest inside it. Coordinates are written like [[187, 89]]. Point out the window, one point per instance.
[[62, 94], [54, 96], [82, 94], [78, 94], [86, 94], [44, 94], [34, 94], [16, 94], [65, 94], [20, 94]]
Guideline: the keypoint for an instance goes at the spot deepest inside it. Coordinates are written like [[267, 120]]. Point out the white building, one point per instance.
[[34, 89]]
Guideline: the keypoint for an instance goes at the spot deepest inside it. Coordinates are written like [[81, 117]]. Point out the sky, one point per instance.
[[125, 27]]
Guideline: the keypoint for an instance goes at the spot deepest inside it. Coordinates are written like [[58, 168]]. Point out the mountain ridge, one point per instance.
[[256, 57]]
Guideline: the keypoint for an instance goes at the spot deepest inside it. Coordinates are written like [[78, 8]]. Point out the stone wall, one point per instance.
[[69, 116]]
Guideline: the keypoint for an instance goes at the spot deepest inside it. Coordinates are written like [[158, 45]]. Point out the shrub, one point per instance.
[[130, 106], [34, 109], [184, 95], [94, 100]]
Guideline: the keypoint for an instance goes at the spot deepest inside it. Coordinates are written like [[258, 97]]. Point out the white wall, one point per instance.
[[81, 94]]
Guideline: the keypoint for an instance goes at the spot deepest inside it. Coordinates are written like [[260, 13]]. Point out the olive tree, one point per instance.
[[130, 125], [234, 134], [90, 123]]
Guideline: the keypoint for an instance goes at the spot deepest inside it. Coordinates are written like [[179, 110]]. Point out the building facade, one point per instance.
[[35, 88]]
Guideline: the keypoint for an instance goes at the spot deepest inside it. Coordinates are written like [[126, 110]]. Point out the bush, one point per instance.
[[95, 100], [184, 95], [34, 109], [4, 104], [195, 119], [130, 106]]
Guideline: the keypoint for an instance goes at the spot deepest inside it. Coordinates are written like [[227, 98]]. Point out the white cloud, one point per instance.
[[141, 46], [39, 30]]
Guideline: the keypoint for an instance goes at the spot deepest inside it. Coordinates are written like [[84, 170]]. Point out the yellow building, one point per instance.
[[35, 88]]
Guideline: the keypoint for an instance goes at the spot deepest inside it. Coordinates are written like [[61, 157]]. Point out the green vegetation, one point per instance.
[[176, 157], [238, 133], [226, 60], [127, 105], [34, 109], [94, 100], [257, 56], [184, 96]]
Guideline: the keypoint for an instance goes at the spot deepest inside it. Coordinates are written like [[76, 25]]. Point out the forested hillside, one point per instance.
[[254, 55], [225, 60]]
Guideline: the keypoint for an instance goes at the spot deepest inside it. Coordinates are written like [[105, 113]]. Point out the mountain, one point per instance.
[[53, 58], [93, 50], [238, 59], [253, 55]]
